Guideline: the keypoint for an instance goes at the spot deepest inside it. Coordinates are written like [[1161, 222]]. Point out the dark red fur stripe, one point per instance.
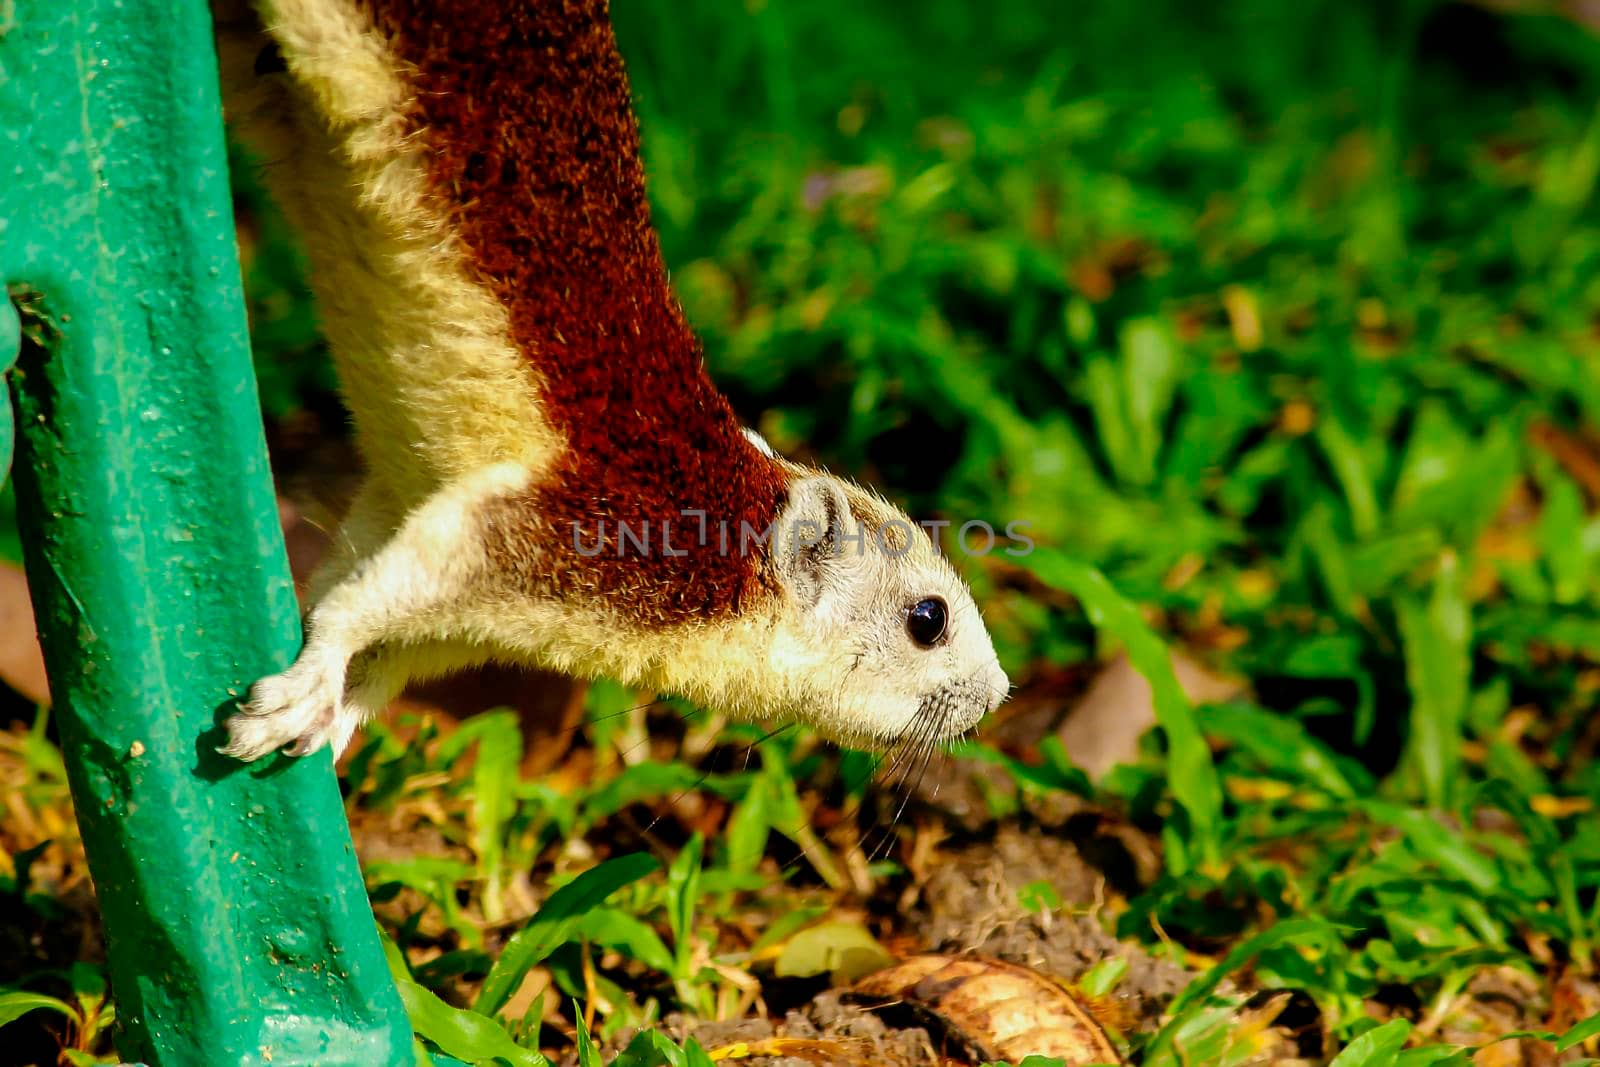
[[535, 151]]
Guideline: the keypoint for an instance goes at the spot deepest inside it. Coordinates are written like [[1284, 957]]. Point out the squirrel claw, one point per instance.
[[301, 708]]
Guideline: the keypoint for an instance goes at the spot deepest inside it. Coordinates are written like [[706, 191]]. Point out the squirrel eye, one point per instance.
[[926, 621]]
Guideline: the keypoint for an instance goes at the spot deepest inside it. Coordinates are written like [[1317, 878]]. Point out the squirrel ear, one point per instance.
[[816, 536]]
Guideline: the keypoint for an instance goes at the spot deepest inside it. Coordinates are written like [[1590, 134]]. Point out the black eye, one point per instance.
[[925, 622]]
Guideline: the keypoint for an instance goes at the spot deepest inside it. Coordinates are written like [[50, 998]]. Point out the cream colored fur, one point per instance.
[[447, 416], [423, 351]]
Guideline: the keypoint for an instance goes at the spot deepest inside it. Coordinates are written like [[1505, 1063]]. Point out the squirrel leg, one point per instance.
[[372, 518], [409, 592], [379, 674]]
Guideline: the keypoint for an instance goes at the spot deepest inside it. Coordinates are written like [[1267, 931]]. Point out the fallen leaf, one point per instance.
[[1104, 728], [21, 662], [842, 949], [997, 1010]]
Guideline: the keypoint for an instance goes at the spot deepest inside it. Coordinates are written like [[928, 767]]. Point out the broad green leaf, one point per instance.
[[1435, 1056], [1561, 523], [1104, 394], [1580, 1033], [642, 781], [464, 1034], [629, 935], [528, 1030], [844, 950], [1054, 773], [1039, 896], [555, 923], [1103, 977], [14, 1005], [1378, 1047], [784, 924], [650, 1048]]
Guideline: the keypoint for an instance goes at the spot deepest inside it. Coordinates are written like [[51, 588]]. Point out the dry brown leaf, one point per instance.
[[1104, 728], [21, 662], [998, 1010]]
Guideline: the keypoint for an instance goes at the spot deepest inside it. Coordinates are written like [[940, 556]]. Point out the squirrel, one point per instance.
[[551, 478]]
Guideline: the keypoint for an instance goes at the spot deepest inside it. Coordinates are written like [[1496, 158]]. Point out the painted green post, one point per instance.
[[238, 929]]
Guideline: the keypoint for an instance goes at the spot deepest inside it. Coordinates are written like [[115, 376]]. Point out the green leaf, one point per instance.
[[494, 781], [588, 1055], [683, 894], [694, 1055], [1378, 1047], [16, 1004], [1435, 1056], [844, 950], [555, 923], [1350, 468], [1299, 932], [785, 923], [527, 1033], [650, 1048], [1193, 775], [749, 826], [1150, 365], [1057, 772], [1039, 896], [1437, 639], [631, 936], [1561, 524], [1437, 842], [1576, 1036], [1281, 745], [463, 1034], [399, 968], [1103, 977], [1111, 421], [642, 781]]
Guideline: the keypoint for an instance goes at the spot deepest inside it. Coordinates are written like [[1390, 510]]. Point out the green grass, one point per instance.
[[1279, 324]]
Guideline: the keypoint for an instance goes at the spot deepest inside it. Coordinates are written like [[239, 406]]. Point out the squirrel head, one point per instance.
[[878, 642]]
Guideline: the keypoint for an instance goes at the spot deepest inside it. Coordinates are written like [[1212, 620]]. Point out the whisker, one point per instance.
[[928, 753], [763, 739], [915, 743], [672, 801]]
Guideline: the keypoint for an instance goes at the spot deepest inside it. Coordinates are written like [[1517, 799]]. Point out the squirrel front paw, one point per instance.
[[303, 707]]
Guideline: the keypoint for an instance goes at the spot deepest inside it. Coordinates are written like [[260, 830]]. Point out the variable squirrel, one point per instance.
[[552, 479]]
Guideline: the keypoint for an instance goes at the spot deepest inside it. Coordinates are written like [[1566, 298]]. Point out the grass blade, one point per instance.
[[555, 923], [1193, 774]]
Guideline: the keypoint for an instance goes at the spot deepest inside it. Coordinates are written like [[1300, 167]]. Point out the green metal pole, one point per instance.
[[237, 926]]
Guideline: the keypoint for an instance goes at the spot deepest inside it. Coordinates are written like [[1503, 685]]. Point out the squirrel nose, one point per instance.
[[999, 686]]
